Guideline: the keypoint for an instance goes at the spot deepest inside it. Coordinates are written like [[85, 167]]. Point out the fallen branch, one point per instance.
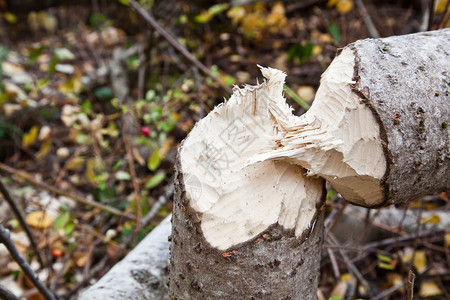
[[6, 294], [142, 274], [378, 127], [6, 240], [180, 48], [43, 185], [22, 222]]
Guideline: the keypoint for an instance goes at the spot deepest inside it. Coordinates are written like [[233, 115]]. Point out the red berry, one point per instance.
[[56, 253], [145, 131]]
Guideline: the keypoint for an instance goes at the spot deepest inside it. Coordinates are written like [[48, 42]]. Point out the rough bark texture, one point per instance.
[[405, 80], [142, 274], [274, 265]]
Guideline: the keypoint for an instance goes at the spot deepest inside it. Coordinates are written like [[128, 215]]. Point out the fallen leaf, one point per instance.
[[154, 161], [429, 289], [420, 261], [433, 219], [30, 137], [39, 219]]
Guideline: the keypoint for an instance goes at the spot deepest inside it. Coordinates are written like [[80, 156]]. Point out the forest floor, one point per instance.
[[94, 103]]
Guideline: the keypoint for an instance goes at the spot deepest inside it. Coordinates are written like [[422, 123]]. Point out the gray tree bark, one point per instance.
[[405, 80], [142, 274], [274, 265]]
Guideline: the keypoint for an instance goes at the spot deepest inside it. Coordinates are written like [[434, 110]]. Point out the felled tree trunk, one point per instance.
[[247, 221], [378, 128]]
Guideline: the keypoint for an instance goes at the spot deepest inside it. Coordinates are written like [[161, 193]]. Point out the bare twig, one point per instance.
[[367, 19], [137, 192], [6, 294], [6, 240], [173, 41], [396, 240], [351, 266], [410, 289], [162, 200], [52, 189], [337, 273], [21, 220]]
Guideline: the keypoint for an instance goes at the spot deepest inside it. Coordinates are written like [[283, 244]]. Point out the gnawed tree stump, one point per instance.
[[243, 231], [247, 221]]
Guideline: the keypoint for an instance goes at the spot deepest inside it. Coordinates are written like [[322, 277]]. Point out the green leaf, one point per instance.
[[386, 266], [218, 8], [155, 180], [125, 2], [296, 98], [69, 228], [150, 95], [300, 52], [104, 93], [335, 32], [61, 221], [154, 160], [384, 258], [335, 298], [35, 52]]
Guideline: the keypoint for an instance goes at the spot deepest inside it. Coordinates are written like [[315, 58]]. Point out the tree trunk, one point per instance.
[[243, 232], [247, 222]]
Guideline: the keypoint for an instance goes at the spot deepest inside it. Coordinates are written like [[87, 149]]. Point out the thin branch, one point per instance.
[[410, 289], [21, 220], [137, 192], [52, 189], [173, 41], [351, 266], [162, 200], [396, 240], [6, 240], [367, 19]]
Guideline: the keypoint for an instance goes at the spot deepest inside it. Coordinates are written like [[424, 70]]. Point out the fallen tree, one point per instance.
[[247, 219]]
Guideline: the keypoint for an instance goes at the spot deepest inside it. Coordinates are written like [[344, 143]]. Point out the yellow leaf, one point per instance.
[[433, 219], [420, 261], [439, 6], [45, 149], [29, 137], [90, 170], [39, 219], [236, 14], [10, 18], [447, 239], [429, 289], [165, 148], [75, 163], [276, 19], [154, 160], [344, 6]]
